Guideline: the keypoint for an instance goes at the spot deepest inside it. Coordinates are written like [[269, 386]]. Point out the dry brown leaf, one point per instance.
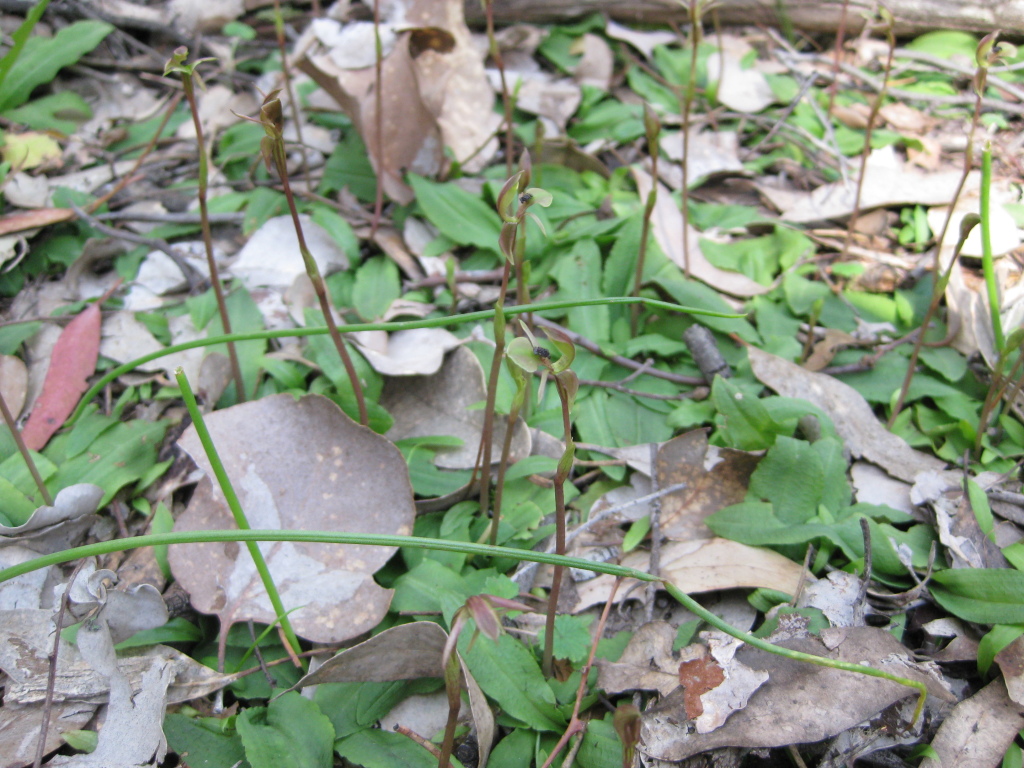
[[272, 257], [417, 352], [26, 642], [698, 676], [715, 478], [298, 464], [1011, 664], [19, 221], [405, 652], [646, 664], [886, 183], [702, 565], [667, 222], [740, 89], [978, 731], [432, 97], [799, 702], [853, 417], [826, 349], [442, 404], [13, 383]]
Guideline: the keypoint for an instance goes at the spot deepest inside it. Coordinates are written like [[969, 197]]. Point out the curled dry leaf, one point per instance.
[[853, 417], [701, 565], [442, 404], [298, 464], [418, 352], [667, 225], [71, 503], [26, 641], [132, 733], [406, 652], [887, 183]]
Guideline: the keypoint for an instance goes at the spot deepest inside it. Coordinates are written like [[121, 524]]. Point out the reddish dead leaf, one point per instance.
[[698, 676], [40, 217], [72, 362]]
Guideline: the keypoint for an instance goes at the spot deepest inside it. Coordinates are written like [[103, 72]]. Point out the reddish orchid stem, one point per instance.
[[575, 724]]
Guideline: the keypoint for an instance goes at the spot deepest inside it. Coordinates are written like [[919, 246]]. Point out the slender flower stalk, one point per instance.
[[272, 147], [188, 75]]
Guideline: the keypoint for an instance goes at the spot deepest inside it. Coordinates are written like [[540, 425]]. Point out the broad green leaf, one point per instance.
[[946, 44], [424, 587], [244, 316], [339, 230], [263, 204], [176, 630], [997, 638], [63, 112], [790, 477], [43, 57], [377, 285], [290, 731], [514, 751], [744, 421], [384, 749], [461, 216], [353, 707], [983, 595], [349, 166], [579, 277], [20, 37], [208, 741], [945, 361], [601, 746], [121, 455], [508, 673], [572, 638]]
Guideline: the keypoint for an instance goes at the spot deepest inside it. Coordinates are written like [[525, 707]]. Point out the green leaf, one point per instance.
[[572, 637], [1000, 636], [245, 316], [42, 58], [177, 630], [579, 277], [20, 37], [121, 455], [744, 421], [290, 732], [349, 166], [514, 751], [377, 285], [353, 707], [384, 749], [983, 595], [601, 747], [207, 741], [508, 672], [461, 216], [63, 112], [791, 478]]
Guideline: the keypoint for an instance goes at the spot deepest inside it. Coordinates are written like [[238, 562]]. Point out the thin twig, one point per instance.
[[654, 566], [192, 275], [51, 675], [625, 362]]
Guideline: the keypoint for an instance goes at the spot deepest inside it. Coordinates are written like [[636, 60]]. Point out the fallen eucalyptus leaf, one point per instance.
[[299, 464], [799, 702], [442, 404], [853, 417], [978, 731]]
